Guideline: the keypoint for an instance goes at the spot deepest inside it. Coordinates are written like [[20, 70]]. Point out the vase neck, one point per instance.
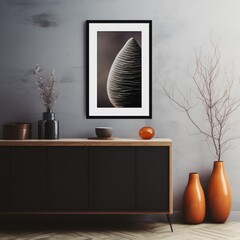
[[218, 167], [48, 115], [218, 164], [194, 176]]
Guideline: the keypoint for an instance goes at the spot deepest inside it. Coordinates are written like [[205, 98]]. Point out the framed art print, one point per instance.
[[119, 69]]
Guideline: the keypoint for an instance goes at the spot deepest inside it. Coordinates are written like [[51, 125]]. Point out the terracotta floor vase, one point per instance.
[[219, 197], [194, 205]]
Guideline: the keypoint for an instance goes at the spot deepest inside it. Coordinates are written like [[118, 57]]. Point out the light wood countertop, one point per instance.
[[67, 142]]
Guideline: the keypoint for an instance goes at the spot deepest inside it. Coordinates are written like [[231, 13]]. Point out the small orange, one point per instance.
[[146, 132]]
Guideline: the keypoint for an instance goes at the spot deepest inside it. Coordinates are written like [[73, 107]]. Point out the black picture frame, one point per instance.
[[119, 69]]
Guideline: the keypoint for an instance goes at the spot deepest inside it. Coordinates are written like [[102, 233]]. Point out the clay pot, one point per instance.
[[17, 131], [219, 197], [194, 204], [146, 132]]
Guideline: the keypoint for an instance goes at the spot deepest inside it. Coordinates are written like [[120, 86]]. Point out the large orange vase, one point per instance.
[[194, 204], [219, 197]]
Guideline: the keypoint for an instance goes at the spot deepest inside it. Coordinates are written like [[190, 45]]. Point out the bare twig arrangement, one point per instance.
[[47, 88], [214, 94]]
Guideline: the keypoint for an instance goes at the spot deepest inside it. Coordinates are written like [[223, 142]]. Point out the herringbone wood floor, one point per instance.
[[122, 231]]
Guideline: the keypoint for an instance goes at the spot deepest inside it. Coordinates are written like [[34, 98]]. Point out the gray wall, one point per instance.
[[52, 34]]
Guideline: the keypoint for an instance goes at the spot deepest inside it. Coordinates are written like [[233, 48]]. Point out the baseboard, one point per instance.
[[177, 216], [234, 216]]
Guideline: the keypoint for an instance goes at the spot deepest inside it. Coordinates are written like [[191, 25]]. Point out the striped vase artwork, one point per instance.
[[124, 79]]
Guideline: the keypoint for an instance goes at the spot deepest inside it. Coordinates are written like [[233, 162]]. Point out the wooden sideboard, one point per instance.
[[86, 176]]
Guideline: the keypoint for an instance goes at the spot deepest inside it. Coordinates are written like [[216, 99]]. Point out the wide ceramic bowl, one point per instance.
[[104, 132]]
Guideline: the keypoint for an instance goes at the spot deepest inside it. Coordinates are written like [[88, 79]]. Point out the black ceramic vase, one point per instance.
[[48, 128]]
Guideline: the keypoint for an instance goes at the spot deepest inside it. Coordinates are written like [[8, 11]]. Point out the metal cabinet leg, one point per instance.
[[169, 221]]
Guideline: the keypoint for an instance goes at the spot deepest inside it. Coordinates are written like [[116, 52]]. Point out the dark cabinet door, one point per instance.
[[5, 179], [30, 178], [114, 178], [68, 178], [152, 178]]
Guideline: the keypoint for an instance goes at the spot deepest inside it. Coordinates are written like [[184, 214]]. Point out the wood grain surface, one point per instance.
[[88, 142]]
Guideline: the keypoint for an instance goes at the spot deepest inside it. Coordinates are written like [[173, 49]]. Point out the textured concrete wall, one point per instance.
[[52, 34]]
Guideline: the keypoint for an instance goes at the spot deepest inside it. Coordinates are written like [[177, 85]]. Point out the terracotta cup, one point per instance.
[[17, 131]]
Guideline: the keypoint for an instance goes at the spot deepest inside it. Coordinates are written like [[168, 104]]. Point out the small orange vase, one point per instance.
[[194, 204], [219, 197], [146, 132]]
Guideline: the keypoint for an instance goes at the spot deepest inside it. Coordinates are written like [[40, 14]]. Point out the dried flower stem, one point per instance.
[[47, 88]]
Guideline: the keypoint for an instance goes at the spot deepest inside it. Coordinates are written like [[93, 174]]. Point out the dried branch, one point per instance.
[[47, 88], [216, 100]]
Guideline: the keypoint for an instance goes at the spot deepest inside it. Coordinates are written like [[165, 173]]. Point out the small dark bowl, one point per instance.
[[103, 132]]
